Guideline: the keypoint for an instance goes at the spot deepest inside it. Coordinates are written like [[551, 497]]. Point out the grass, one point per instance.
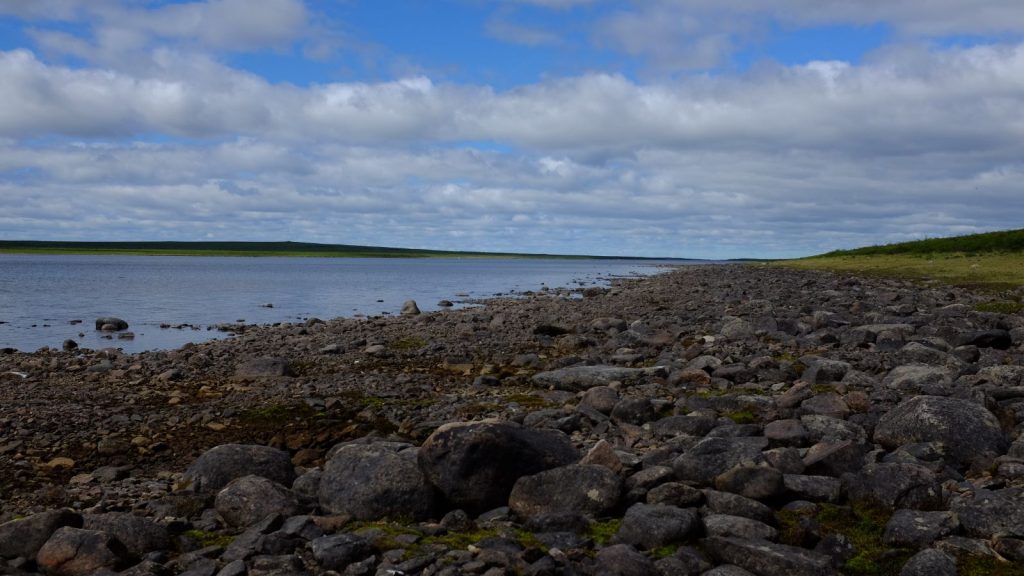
[[602, 532], [993, 271], [994, 260], [863, 526], [290, 249], [210, 538], [742, 417]]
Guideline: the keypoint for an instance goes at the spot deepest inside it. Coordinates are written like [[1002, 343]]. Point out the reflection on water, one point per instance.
[[42, 296]]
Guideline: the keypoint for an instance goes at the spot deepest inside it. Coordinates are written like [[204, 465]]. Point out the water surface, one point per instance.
[[41, 295]]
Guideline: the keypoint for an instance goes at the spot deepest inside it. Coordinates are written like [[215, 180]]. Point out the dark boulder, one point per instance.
[[26, 536], [582, 488], [967, 429], [249, 499], [222, 464], [475, 465], [375, 481]]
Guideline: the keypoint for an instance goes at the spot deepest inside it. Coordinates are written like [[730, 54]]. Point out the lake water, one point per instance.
[[42, 295]]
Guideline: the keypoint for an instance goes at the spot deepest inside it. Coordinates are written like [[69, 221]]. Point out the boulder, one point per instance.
[[987, 513], [918, 529], [895, 485], [998, 339], [624, 560], [738, 527], [755, 482], [579, 378], [650, 526], [111, 324], [263, 367], [712, 456], [337, 551], [930, 562], [138, 535], [409, 308], [967, 429], [919, 379], [767, 558], [475, 465], [78, 552], [249, 499], [25, 537], [581, 488], [375, 481], [222, 464]]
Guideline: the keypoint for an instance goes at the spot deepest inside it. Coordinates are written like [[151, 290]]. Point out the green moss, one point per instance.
[[1000, 307], [210, 538], [664, 551], [529, 540], [863, 526], [741, 417], [408, 344], [461, 540], [529, 401], [602, 532], [978, 566]]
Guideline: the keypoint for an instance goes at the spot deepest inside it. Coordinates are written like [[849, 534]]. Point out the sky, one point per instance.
[[664, 128]]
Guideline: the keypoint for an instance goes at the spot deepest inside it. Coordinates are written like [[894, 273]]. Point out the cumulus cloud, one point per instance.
[[780, 160]]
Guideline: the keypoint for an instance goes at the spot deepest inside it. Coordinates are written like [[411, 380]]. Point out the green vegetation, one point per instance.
[[863, 526], [408, 344], [978, 566], [292, 249], [602, 532], [741, 417], [1000, 307], [990, 242], [994, 260], [210, 538]]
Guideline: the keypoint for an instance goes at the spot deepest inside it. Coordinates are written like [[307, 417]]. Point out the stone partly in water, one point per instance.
[[409, 308], [111, 324]]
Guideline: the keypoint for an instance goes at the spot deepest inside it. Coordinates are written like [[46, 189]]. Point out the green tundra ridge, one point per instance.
[[291, 249], [992, 261], [987, 242]]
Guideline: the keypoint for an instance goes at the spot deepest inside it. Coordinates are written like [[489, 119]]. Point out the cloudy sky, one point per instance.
[[682, 128]]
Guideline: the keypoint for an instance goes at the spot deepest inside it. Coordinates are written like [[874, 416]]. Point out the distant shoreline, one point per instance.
[[272, 249]]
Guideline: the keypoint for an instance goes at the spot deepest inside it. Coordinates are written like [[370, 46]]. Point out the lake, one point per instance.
[[43, 296]]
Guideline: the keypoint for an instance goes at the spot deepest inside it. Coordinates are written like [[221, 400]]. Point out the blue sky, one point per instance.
[[656, 128]]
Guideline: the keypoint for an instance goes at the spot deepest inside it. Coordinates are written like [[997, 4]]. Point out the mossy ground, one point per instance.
[[992, 271], [862, 526], [210, 538]]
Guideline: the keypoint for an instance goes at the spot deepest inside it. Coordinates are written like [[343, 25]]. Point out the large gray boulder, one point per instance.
[[986, 513], [578, 378], [26, 536], [474, 465], [139, 535], [77, 552], [895, 485], [966, 429], [919, 379], [585, 489], [650, 526], [767, 558], [249, 499], [930, 562], [712, 456], [222, 464], [375, 481]]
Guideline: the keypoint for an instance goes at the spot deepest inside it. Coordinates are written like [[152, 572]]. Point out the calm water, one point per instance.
[[41, 295]]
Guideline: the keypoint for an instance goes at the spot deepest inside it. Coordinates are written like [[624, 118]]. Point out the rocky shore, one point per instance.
[[719, 420]]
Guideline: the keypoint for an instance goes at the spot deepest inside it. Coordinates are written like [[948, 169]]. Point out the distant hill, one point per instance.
[[260, 249], [990, 242]]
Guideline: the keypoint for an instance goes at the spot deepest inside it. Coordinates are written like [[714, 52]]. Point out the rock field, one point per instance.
[[717, 420]]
